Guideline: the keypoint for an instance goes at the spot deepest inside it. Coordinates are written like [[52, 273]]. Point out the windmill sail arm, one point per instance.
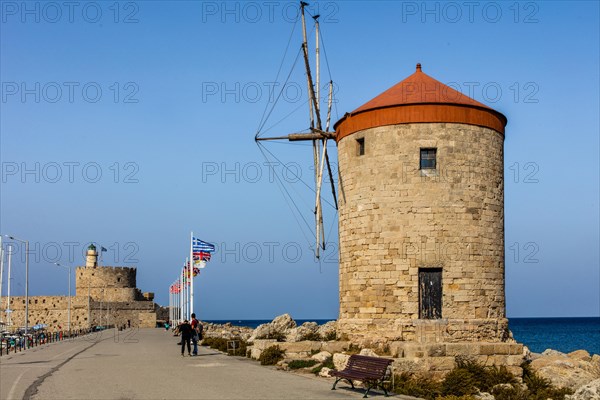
[[294, 137]]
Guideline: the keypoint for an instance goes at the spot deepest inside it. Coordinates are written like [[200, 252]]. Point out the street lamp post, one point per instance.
[[26, 280], [69, 312]]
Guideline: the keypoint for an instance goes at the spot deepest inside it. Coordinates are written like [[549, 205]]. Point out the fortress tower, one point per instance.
[[421, 217], [112, 284], [91, 258]]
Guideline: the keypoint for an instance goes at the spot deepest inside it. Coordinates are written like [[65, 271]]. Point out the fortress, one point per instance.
[[103, 296]]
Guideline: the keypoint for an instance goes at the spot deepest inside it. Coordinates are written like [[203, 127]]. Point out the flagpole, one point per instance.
[[1, 272], [177, 310], [185, 294], [174, 303], [181, 303], [191, 271]]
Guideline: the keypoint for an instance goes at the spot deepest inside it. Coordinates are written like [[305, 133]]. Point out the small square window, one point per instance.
[[428, 159], [361, 146]]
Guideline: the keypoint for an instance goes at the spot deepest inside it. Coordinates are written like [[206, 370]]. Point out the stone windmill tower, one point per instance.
[[421, 217]]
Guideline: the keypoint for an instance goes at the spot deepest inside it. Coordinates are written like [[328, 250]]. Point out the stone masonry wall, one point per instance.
[[49, 310], [109, 284], [53, 311], [395, 218]]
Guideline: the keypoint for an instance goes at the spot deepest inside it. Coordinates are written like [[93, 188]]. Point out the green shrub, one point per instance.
[[497, 376], [421, 387], [221, 344], [314, 336], [271, 356], [330, 336], [469, 377], [540, 388], [475, 377], [459, 382], [353, 349], [510, 393], [297, 364], [534, 382], [279, 336]]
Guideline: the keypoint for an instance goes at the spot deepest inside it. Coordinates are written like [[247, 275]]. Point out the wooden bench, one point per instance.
[[372, 371]]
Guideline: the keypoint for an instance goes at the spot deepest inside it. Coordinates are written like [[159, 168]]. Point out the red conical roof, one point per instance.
[[419, 99]]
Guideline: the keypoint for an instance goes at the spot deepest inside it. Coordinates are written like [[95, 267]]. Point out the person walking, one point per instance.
[[196, 330], [185, 329]]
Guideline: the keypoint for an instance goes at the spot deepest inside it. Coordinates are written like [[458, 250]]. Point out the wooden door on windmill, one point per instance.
[[430, 293]]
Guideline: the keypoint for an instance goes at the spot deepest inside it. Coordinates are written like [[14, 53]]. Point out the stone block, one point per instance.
[[441, 363], [436, 350], [335, 346], [304, 347], [487, 348], [462, 349]]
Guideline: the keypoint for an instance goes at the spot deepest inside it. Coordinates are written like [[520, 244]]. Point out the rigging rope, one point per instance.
[[286, 116], [287, 198], [279, 70], [263, 122], [299, 178], [329, 72]]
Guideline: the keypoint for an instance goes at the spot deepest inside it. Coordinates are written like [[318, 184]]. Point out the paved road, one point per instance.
[[146, 364]]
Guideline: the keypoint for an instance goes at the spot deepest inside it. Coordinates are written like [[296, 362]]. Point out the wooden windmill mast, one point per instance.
[[317, 135]]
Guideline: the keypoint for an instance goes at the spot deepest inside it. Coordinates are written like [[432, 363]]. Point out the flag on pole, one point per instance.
[[201, 252], [201, 256], [200, 245]]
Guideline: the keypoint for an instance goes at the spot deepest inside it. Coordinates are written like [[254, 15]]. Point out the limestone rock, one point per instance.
[[261, 332], [278, 328], [321, 356], [591, 391], [580, 355], [550, 352], [572, 370], [283, 322], [340, 360], [327, 330], [484, 396], [307, 331], [324, 372], [368, 352]]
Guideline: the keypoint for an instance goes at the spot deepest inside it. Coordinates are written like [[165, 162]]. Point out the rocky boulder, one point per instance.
[[327, 331], [276, 329], [306, 331], [340, 360], [591, 391], [368, 352], [261, 332], [321, 356], [572, 370], [282, 323]]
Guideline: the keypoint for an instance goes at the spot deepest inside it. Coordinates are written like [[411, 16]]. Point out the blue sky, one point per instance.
[[137, 119]]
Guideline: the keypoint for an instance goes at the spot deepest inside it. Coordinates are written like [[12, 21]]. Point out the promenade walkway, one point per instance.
[[146, 364]]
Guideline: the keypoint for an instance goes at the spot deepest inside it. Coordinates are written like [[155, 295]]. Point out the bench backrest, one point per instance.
[[376, 366]]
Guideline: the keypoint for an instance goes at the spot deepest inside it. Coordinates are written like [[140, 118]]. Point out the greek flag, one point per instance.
[[202, 246]]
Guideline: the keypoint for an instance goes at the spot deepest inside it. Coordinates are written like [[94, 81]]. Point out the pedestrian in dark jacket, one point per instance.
[[186, 334]]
